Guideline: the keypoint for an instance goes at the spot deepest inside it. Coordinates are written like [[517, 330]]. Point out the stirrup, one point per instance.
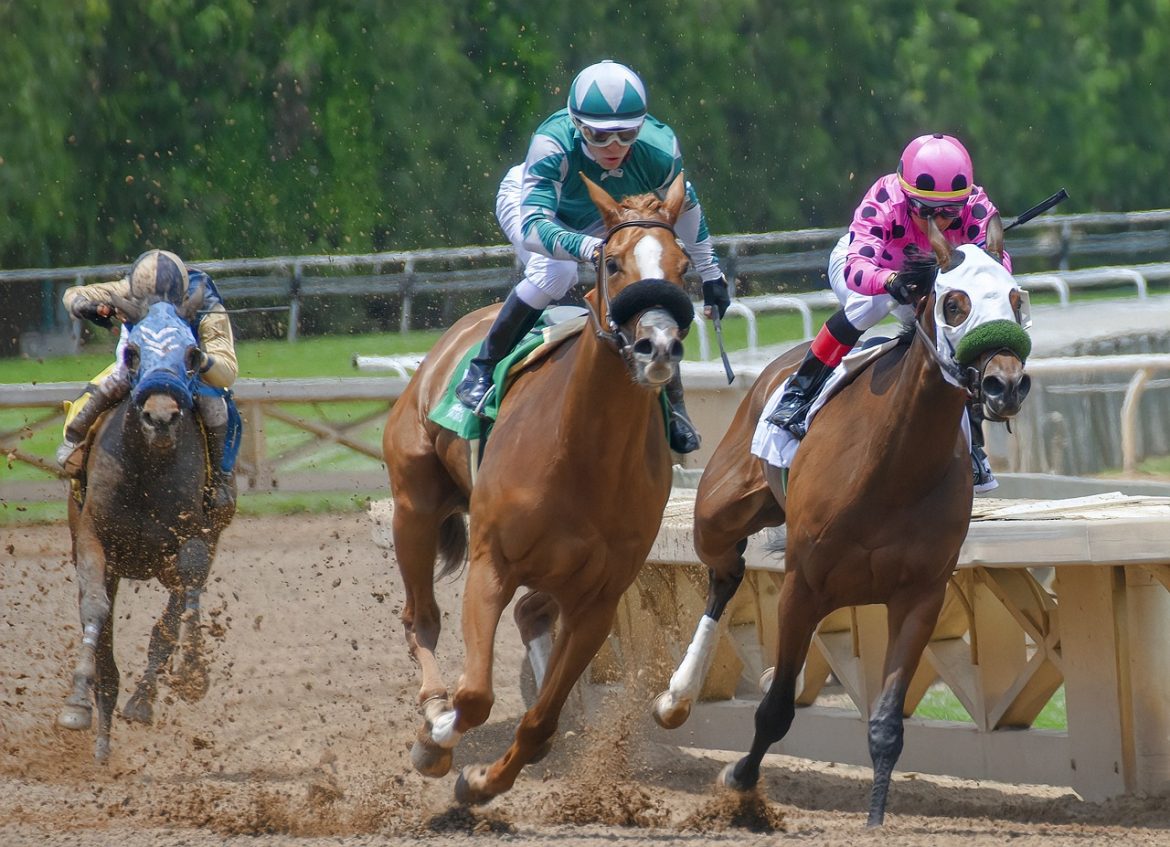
[[473, 391], [794, 421], [684, 437], [981, 476]]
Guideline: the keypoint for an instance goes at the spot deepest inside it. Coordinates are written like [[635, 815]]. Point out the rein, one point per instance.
[[614, 336]]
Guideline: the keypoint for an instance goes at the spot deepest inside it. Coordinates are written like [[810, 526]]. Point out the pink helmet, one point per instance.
[[936, 169]]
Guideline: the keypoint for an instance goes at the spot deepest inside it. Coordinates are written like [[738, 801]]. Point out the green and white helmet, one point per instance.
[[608, 96]]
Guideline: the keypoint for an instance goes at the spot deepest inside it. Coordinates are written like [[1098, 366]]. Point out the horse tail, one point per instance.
[[452, 545]]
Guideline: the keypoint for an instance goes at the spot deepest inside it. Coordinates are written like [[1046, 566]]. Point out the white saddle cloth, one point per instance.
[[777, 446]]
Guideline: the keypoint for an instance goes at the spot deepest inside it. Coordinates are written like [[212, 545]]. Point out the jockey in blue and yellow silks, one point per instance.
[[545, 211], [156, 273]]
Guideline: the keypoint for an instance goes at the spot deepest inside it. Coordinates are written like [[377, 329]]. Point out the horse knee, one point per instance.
[[473, 708], [194, 564]]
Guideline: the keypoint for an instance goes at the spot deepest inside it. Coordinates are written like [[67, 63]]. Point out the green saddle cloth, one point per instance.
[[556, 325]]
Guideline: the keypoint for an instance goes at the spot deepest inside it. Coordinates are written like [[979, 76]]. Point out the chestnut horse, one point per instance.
[[566, 502], [878, 502], [143, 516]]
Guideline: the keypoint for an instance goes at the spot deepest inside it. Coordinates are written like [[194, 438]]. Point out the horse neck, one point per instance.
[[602, 401], [137, 460], [927, 411]]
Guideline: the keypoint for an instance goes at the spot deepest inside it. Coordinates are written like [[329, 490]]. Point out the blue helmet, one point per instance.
[[608, 96]]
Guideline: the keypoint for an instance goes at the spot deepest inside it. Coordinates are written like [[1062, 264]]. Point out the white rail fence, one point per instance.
[[794, 258]]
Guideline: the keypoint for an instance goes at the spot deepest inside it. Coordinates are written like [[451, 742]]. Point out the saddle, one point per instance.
[[555, 326]]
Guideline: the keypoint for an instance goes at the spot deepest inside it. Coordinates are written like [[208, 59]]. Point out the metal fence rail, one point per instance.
[[775, 260]]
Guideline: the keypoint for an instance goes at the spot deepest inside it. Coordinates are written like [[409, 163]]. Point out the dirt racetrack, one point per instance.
[[304, 735]]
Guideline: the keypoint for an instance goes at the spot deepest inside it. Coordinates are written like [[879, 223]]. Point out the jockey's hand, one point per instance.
[[595, 258], [98, 313], [716, 296], [905, 294]]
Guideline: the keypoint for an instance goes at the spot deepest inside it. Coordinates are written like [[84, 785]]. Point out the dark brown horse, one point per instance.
[[143, 517], [878, 504], [567, 500]]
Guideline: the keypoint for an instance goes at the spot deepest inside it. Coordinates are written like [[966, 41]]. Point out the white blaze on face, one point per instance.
[[648, 256]]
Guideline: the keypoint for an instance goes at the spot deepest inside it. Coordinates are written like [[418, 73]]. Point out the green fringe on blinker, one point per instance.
[[994, 335]]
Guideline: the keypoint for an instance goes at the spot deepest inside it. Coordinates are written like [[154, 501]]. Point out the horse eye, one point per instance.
[[956, 308], [612, 266]]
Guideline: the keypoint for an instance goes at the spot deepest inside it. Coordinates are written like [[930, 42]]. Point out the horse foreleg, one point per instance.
[[163, 635], [535, 614], [673, 706], [107, 679], [94, 606], [190, 673], [416, 540], [484, 599], [799, 615], [581, 636], [910, 624], [725, 515]]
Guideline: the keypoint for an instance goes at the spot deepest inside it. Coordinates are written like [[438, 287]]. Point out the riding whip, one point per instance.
[[1039, 209]]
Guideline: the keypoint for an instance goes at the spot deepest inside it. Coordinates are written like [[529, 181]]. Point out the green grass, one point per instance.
[[940, 704], [24, 513]]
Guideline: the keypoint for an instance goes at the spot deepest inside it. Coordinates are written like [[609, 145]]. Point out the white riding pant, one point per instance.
[[545, 279], [862, 310]]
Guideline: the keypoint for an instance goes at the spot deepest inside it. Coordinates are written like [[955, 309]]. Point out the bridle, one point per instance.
[[614, 337], [968, 378]]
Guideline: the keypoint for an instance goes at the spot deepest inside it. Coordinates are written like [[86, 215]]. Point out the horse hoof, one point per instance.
[[430, 759], [669, 717], [465, 793], [728, 781], [101, 750], [75, 717], [138, 710], [193, 681]]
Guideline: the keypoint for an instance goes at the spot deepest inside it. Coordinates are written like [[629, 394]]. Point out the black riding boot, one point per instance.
[[981, 473], [798, 397], [684, 438], [221, 484], [514, 320], [104, 396]]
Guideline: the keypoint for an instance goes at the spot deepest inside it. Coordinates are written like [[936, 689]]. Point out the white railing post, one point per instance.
[[1129, 427]]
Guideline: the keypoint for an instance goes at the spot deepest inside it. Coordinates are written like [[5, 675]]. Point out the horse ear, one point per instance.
[[193, 304], [676, 195], [132, 311], [995, 238], [939, 244], [609, 208]]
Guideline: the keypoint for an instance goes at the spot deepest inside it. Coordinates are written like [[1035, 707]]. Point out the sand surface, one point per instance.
[[304, 735]]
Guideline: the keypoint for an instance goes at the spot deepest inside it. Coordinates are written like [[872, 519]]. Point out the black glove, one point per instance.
[[88, 310], [716, 295], [905, 294]]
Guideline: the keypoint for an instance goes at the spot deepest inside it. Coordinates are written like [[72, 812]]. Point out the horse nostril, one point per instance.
[[676, 350], [993, 387], [644, 347], [1024, 386]]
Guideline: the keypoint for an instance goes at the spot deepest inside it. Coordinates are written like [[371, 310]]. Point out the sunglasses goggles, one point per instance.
[[925, 210], [605, 137]]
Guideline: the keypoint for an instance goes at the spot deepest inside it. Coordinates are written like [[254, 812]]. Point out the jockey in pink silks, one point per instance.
[[935, 178]]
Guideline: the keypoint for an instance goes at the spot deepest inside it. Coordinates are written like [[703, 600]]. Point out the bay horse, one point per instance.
[[142, 516], [566, 502], [878, 500]]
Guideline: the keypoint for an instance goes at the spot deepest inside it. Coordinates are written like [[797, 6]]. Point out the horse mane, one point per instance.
[[642, 206]]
